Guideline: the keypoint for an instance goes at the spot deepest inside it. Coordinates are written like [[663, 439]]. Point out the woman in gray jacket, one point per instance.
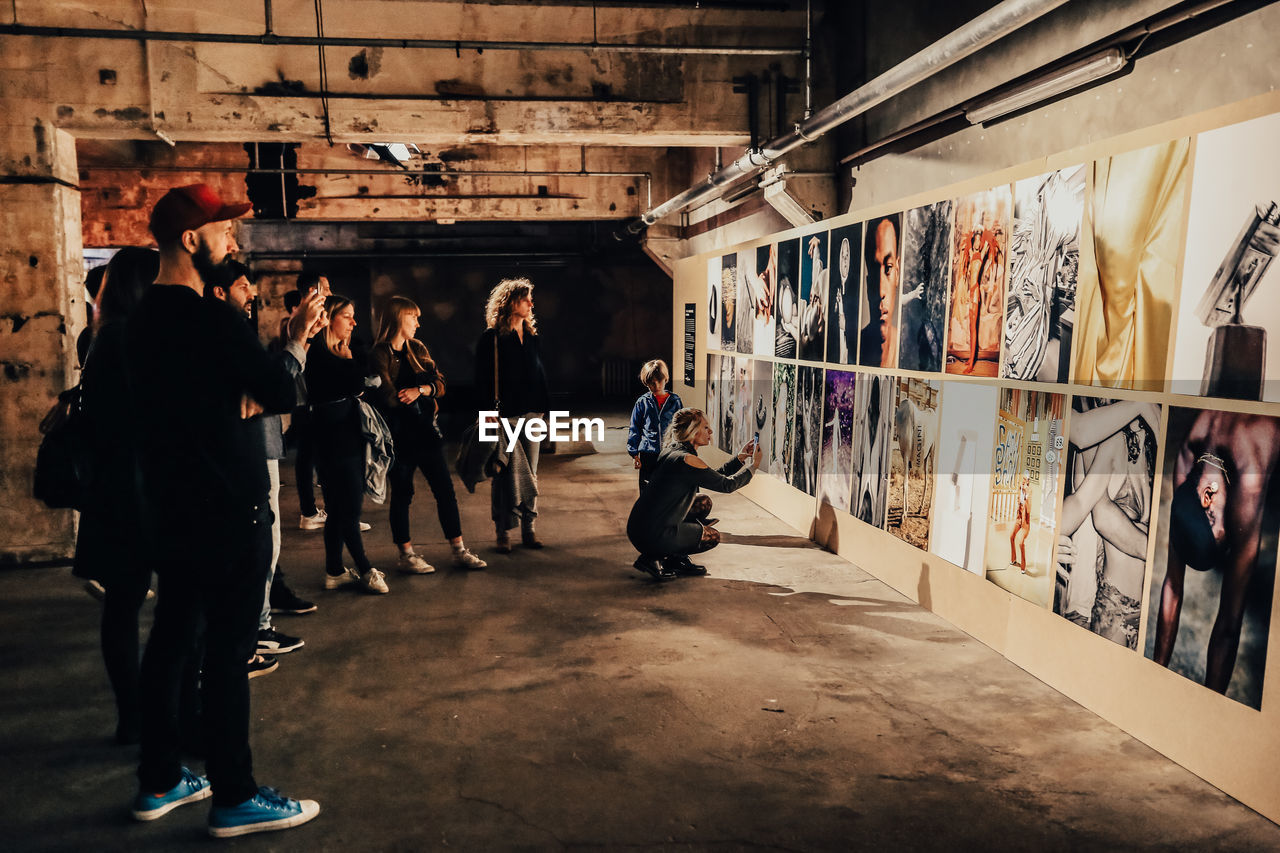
[[670, 520]]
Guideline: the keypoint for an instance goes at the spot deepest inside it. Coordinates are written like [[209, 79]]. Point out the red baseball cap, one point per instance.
[[191, 207]]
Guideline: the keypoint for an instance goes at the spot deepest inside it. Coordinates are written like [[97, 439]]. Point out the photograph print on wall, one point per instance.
[[807, 430], [1106, 515], [1213, 574], [713, 304], [762, 407], [926, 253], [966, 443], [837, 440], [1128, 263], [1025, 484], [744, 423], [977, 282], [872, 396], [882, 276], [787, 301], [1044, 252], [1229, 311], [728, 404], [813, 296], [728, 302], [784, 410], [763, 293], [747, 296], [712, 410], [844, 294], [913, 460]]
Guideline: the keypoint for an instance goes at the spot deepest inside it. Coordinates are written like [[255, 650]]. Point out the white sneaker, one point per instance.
[[364, 527], [313, 522], [464, 559], [413, 564], [348, 577], [374, 581]]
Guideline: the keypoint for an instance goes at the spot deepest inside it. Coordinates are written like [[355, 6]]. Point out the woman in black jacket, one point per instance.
[[108, 544], [669, 521], [512, 334], [335, 380], [411, 384]]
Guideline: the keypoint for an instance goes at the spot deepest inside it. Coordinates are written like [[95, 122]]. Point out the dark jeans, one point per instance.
[[120, 606], [422, 450], [648, 462], [342, 481], [218, 589], [305, 462]]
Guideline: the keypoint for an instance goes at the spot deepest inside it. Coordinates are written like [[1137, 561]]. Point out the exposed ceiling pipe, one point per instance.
[[988, 27], [270, 38]]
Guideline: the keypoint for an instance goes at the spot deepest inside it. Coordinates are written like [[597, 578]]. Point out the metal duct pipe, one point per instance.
[[270, 38], [988, 27]]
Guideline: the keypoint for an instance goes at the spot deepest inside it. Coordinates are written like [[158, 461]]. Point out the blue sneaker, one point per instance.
[[189, 789], [263, 813]]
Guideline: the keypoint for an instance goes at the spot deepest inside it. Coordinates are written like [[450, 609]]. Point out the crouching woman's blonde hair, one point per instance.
[[684, 424]]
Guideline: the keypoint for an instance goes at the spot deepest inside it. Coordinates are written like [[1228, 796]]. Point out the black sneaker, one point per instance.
[[289, 604], [272, 642], [258, 665], [682, 565], [652, 567]]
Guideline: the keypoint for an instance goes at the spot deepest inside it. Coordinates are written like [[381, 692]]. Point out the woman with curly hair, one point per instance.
[[511, 337], [411, 384]]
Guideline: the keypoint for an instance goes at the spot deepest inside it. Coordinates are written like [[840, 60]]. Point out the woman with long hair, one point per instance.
[[108, 544], [411, 384], [511, 337], [335, 381], [670, 520]]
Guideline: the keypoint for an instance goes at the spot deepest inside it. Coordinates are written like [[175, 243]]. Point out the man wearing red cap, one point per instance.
[[193, 364]]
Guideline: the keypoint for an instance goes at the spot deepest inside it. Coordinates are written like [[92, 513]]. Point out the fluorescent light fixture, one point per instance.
[[1071, 77], [780, 200]]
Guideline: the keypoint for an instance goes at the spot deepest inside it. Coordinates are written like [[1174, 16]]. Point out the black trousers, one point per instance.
[[648, 462], [421, 449], [342, 481], [216, 589], [120, 607]]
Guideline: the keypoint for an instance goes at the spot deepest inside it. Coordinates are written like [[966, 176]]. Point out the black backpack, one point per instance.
[[62, 462]]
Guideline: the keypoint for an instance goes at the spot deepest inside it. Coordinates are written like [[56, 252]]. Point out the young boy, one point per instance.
[[650, 418]]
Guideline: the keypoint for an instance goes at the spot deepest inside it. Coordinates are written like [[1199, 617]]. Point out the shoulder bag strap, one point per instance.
[[496, 401]]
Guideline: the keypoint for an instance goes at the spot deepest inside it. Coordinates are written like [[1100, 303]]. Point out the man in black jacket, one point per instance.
[[196, 371]]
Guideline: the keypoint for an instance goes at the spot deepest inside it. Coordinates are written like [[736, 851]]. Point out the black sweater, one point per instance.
[[333, 387], [190, 360], [522, 381]]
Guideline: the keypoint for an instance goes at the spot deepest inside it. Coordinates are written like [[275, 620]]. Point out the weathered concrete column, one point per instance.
[[41, 312]]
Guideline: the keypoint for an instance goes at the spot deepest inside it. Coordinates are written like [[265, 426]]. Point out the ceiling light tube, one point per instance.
[[1073, 76]]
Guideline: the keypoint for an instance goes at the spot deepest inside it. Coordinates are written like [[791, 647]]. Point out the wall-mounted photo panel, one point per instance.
[[807, 431], [1128, 263], [1106, 515], [762, 407], [1044, 262], [728, 404], [764, 294], [746, 320], [844, 294], [713, 304], [787, 301], [913, 460], [873, 401], [1022, 545], [744, 403], [881, 278], [814, 278], [729, 302], [1230, 303], [784, 412], [926, 268], [713, 396], [1213, 578], [978, 248], [966, 444], [837, 440]]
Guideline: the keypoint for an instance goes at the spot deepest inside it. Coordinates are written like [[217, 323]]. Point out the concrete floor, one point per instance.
[[560, 700]]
